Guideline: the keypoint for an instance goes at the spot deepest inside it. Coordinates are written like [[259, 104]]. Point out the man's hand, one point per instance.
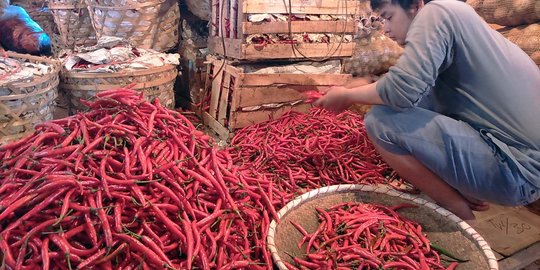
[[340, 98], [337, 99]]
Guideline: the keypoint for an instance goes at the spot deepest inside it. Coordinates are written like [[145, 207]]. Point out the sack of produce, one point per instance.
[[21, 34], [527, 37], [374, 53], [200, 8], [507, 12]]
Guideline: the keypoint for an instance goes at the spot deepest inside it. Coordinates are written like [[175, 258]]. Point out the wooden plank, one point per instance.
[[236, 97], [222, 132], [303, 50], [244, 119], [216, 87], [295, 79], [233, 17], [240, 17], [254, 96], [521, 259], [233, 47], [207, 84], [299, 27], [226, 21], [301, 6], [221, 20], [224, 99], [215, 18]]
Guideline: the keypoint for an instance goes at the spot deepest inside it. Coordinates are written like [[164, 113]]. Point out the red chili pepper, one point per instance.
[[150, 255]]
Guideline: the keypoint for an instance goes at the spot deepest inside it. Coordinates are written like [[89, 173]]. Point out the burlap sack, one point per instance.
[[200, 8], [527, 37], [507, 12], [373, 55]]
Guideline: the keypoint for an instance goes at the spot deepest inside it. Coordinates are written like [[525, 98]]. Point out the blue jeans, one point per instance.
[[453, 150]]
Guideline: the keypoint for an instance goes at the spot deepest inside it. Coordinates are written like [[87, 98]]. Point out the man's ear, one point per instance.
[[416, 7]]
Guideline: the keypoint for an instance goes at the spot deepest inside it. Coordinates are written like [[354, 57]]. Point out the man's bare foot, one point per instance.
[[475, 204], [463, 211], [472, 222]]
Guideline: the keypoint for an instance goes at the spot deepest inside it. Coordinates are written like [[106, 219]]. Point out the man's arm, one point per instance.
[[340, 98]]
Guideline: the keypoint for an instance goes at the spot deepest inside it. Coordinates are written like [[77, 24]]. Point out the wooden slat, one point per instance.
[[240, 18], [235, 49], [299, 27], [224, 99], [521, 259], [216, 87], [215, 19], [244, 119], [269, 94], [248, 79], [222, 132], [236, 97], [221, 14], [282, 51], [301, 6], [226, 23], [233, 17]]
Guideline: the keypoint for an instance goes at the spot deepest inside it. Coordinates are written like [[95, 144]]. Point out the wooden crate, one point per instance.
[[231, 92], [230, 27]]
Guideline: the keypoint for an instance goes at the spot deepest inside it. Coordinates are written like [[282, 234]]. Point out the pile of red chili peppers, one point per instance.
[[366, 236], [301, 152], [129, 184]]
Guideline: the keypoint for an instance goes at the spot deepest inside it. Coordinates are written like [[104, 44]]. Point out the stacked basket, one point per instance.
[[24, 104], [146, 24], [73, 22]]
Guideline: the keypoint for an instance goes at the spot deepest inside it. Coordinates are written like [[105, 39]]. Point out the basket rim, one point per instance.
[[93, 75], [36, 81], [67, 6], [93, 4], [293, 204]]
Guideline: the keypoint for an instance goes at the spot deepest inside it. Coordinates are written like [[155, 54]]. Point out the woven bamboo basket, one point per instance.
[[27, 103], [73, 23], [27, 4], [157, 82], [146, 24], [442, 227]]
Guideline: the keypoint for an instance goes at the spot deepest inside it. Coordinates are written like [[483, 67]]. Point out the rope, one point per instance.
[[294, 45]]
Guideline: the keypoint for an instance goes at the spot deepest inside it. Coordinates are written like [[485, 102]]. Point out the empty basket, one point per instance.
[[146, 24]]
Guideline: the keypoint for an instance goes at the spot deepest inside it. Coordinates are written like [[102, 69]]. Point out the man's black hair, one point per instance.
[[405, 4]]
